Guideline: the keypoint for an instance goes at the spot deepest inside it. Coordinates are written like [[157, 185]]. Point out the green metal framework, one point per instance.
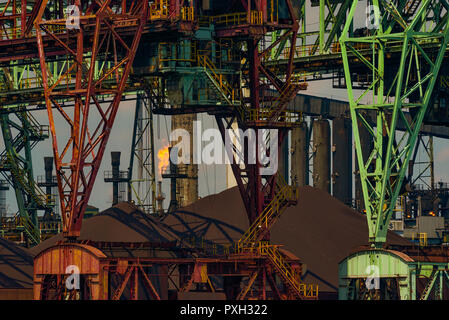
[[406, 86], [398, 277], [21, 132], [20, 135]]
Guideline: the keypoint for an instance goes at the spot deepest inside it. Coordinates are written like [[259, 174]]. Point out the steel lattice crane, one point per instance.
[[254, 60], [421, 40], [102, 32]]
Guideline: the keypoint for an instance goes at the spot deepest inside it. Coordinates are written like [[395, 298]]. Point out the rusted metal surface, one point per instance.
[[125, 278], [53, 266], [162, 265]]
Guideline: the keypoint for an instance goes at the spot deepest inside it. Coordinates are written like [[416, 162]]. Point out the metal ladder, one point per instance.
[[290, 275], [285, 96]]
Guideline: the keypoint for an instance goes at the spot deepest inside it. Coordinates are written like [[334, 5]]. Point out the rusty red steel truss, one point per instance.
[[98, 59], [96, 62], [107, 278], [258, 190]]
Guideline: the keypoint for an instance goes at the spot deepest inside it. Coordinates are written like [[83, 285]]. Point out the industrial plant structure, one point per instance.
[[248, 64]]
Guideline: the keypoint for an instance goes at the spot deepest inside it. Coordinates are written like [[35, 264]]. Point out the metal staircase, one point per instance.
[[290, 275], [252, 239], [11, 227], [220, 85], [286, 196], [20, 137], [290, 90]]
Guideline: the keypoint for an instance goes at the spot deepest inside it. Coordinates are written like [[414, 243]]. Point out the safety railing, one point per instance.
[[52, 227], [33, 80], [17, 223], [422, 237], [282, 198], [219, 79], [40, 198], [230, 19], [40, 131], [169, 52], [109, 175], [284, 97], [264, 115], [238, 18], [187, 13], [256, 17]]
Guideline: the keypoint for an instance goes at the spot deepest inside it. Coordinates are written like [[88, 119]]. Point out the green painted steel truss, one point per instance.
[[406, 86]]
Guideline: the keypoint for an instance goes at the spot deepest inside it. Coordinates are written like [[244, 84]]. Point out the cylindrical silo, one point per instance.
[[115, 162], [342, 159], [299, 155], [321, 160]]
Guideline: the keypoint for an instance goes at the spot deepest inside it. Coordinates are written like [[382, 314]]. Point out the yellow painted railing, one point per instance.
[[13, 224], [36, 193], [255, 115], [168, 52], [283, 98], [159, 10], [187, 13], [291, 275], [219, 79], [239, 18], [269, 215]]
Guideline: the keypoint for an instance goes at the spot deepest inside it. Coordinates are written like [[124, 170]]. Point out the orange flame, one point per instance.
[[163, 157]]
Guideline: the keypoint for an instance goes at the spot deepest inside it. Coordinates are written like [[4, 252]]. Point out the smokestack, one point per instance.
[[49, 182], [48, 162], [115, 162], [173, 175], [187, 187], [116, 177], [160, 199]]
